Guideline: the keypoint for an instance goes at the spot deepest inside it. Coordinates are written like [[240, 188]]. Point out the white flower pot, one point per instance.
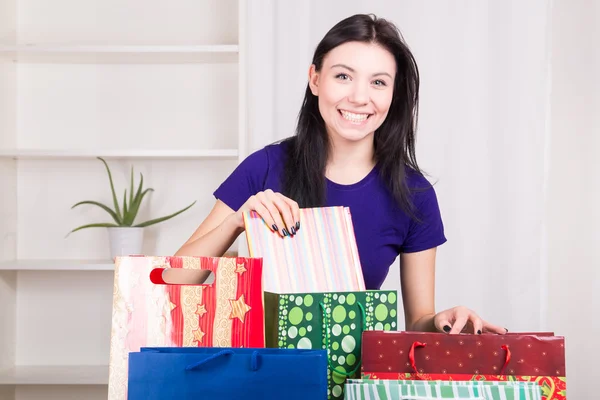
[[125, 241]]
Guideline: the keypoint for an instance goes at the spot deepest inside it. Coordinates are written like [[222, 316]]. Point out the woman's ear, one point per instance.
[[313, 80]]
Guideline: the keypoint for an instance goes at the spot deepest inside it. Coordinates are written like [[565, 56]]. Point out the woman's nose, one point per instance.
[[359, 95]]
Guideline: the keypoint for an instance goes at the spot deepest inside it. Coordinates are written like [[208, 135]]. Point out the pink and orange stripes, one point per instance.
[[321, 257]]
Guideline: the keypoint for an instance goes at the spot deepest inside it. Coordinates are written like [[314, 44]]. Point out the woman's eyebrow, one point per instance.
[[352, 70]]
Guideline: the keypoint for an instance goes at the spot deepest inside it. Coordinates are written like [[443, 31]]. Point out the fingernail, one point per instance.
[[274, 227], [285, 232], [293, 230], [479, 332], [297, 225], [447, 328], [506, 330]]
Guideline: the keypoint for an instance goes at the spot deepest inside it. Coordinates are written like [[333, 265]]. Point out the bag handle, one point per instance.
[[253, 360], [411, 356], [327, 339]]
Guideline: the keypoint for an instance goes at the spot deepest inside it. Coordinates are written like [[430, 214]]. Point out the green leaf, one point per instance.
[[140, 187], [133, 209], [157, 220], [112, 188], [125, 205], [546, 389], [131, 189], [101, 225], [102, 206]]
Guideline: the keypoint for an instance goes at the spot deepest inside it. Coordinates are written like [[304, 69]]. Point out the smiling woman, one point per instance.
[[355, 95], [355, 147]]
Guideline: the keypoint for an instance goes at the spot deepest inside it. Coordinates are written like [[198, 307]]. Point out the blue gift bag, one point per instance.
[[205, 373]]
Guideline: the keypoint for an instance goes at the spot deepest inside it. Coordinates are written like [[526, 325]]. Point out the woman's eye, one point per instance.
[[342, 77], [379, 82]]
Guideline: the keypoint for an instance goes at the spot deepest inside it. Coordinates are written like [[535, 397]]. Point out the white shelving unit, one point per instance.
[[57, 265], [31, 154], [56, 375], [160, 87]]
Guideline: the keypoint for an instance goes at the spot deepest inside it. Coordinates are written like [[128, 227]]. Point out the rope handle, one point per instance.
[[415, 345], [411, 355], [327, 339], [506, 359], [253, 360]]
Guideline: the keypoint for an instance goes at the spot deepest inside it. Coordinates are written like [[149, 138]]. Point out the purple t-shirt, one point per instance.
[[382, 229]]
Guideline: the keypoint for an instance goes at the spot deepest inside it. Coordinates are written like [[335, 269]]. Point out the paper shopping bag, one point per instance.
[[227, 373], [434, 390], [531, 357], [331, 321], [183, 302], [321, 257]]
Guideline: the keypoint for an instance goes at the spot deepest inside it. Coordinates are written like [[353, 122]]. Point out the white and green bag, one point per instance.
[[359, 389]]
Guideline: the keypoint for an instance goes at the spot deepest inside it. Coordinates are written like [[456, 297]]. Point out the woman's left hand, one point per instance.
[[461, 319]]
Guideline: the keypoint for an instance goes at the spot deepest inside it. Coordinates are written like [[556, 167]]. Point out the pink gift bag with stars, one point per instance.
[[536, 357], [162, 301]]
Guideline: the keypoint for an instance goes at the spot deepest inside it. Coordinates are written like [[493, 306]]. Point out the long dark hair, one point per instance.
[[304, 172]]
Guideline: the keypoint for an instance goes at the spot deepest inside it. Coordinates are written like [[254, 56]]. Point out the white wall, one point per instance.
[[573, 216]]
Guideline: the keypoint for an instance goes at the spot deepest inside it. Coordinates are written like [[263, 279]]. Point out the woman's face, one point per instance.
[[355, 88]]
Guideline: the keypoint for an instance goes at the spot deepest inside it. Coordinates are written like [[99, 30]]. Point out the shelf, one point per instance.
[[127, 49], [57, 265], [55, 375], [119, 53], [141, 154]]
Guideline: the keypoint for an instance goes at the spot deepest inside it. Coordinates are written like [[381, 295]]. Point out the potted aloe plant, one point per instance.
[[125, 235]]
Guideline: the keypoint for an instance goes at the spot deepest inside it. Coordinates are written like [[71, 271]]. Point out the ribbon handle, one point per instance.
[[253, 360], [327, 339], [506, 359], [415, 345], [411, 355], [198, 364]]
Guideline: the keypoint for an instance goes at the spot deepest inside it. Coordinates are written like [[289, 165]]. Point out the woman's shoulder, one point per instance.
[[416, 180], [266, 157], [421, 188]]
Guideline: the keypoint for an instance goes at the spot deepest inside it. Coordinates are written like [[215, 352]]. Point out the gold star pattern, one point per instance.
[[200, 310], [172, 305], [198, 335], [239, 308], [240, 269]]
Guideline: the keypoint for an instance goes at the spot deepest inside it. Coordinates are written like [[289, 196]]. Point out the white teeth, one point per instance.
[[356, 118]]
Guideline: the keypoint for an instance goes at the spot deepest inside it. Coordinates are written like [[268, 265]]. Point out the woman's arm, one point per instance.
[[417, 281], [215, 235], [223, 225]]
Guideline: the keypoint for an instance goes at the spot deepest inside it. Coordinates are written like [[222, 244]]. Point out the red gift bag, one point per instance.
[[183, 302], [530, 356]]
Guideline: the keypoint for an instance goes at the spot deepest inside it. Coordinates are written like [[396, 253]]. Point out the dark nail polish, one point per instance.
[[274, 227], [297, 225], [479, 332], [285, 232], [447, 328], [293, 230], [506, 330]]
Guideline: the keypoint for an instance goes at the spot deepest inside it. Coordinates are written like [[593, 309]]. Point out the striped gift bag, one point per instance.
[[321, 257], [358, 389]]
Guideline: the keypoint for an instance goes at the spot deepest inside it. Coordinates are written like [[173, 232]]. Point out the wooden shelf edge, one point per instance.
[[57, 265], [141, 154], [55, 375], [128, 49]]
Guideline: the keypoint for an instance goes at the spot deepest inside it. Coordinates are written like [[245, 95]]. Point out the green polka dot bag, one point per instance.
[[331, 321]]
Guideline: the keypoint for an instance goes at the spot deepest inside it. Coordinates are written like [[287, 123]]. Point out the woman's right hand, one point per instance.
[[280, 213]]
